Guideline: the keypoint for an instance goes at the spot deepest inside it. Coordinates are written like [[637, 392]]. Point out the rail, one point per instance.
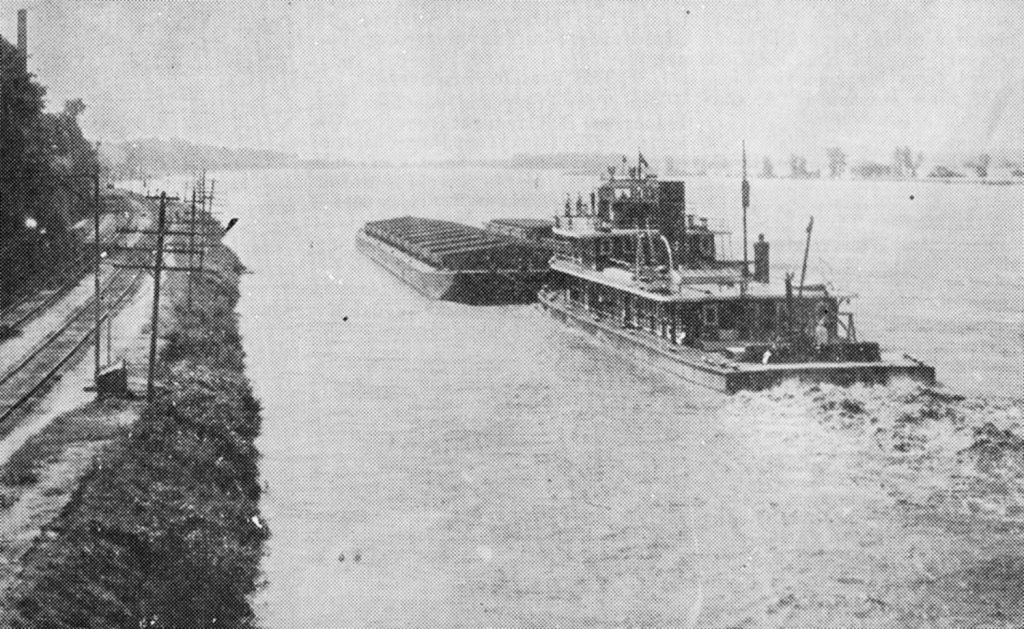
[[16, 315], [28, 307], [22, 383]]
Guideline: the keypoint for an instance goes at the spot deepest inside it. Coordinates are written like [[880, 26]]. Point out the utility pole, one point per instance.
[[207, 211], [3, 128], [98, 299], [157, 268], [191, 247]]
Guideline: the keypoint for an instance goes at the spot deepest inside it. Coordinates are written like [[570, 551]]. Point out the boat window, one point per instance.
[[711, 315]]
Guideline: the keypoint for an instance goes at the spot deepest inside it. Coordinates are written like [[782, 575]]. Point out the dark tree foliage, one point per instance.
[[869, 170], [798, 167], [836, 161], [980, 165], [44, 155], [905, 163]]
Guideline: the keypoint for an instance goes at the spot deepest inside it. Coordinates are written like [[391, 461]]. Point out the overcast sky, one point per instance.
[[436, 79]]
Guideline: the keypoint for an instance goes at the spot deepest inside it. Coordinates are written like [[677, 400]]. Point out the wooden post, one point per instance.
[[97, 311], [156, 295], [3, 127], [191, 248]]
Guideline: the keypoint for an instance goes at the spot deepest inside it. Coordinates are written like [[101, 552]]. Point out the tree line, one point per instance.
[[41, 192], [904, 163]]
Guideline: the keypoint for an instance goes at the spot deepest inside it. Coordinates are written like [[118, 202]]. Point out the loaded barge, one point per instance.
[[456, 262], [635, 269]]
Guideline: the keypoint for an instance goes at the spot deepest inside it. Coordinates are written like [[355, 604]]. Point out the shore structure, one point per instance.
[[455, 262], [636, 269]]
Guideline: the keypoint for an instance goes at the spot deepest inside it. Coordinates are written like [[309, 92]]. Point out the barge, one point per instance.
[[635, 269], [455, 262]]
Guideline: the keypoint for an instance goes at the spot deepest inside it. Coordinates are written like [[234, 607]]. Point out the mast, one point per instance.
[[745, 194], [807, 251], [745, 202]]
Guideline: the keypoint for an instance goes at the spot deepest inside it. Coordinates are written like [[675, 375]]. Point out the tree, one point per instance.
[[798, 167], [836, 161], [39, 151], [905, 162], [870, 170], [898, 161], [980, 165], [21, 104], [73, 107], [915, 163], [768, 170]]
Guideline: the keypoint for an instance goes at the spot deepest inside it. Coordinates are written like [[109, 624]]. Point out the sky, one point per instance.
[[443, 80]]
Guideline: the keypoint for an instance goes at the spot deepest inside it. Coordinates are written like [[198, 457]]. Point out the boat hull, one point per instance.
[[713, 371], [473, 287]]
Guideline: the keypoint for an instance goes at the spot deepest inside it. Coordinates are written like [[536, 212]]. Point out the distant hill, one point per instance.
[[153, 157]]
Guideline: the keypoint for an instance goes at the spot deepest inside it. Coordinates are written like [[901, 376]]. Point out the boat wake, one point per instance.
[[900, 504], [928, 446]]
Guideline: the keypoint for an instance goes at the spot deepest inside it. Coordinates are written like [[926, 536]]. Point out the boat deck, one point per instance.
[[721, 373]]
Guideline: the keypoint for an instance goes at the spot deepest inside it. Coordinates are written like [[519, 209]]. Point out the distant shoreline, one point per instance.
[[321, 165]]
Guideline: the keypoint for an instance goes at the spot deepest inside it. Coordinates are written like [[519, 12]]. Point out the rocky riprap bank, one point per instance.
[[165, 530]]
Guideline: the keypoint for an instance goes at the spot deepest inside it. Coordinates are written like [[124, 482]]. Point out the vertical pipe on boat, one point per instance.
[[761, 260]]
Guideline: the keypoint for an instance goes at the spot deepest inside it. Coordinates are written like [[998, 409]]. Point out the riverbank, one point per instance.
[[164, 528]]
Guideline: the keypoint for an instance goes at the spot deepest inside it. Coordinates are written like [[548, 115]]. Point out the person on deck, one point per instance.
[[821, 329]]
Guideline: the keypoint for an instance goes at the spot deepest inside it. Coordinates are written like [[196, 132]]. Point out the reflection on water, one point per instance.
[[433, 464]]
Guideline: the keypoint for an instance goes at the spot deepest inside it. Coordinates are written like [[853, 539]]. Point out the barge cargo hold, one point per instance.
[[455, 262]]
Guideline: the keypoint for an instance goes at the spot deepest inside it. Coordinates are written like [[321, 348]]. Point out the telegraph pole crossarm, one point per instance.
[[158, 268]]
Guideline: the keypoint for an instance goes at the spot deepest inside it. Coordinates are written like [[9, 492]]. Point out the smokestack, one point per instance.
[[23, 35], [761, 272]]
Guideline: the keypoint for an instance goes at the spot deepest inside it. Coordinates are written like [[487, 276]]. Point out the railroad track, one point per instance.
[[30, 377], [27, 379], [31, 306]]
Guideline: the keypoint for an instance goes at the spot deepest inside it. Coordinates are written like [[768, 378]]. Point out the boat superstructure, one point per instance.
[[633, 267]]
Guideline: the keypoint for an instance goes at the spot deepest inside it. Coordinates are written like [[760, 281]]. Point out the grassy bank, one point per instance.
[[164, 531]]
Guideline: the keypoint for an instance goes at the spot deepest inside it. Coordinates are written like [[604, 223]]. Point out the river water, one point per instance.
[[431, 464]]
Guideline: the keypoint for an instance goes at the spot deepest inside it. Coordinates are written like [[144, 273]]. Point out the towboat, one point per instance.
[[635, 269]]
